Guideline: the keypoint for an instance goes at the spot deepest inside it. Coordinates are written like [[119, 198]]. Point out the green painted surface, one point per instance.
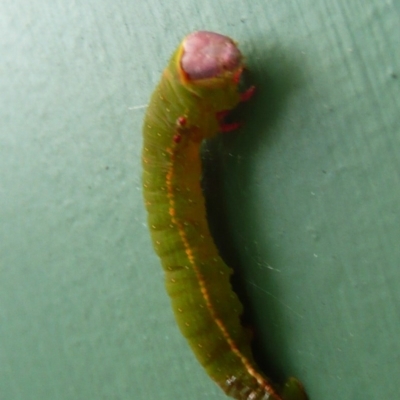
[[304, 201]]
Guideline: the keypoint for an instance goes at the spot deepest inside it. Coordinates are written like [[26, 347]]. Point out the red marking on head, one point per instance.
[[237, 75], [222, 114], [226, 127], [248, 94], [229, 127], [177, 138]]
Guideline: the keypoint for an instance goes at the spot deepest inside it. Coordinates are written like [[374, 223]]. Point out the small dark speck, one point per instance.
[[107, 167], [393, 75], [323, 171]]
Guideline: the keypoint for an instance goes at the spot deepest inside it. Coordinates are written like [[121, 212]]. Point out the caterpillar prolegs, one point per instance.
[[197, 89]]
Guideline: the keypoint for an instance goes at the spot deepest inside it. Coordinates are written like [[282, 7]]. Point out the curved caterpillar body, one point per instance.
[[196, 90]]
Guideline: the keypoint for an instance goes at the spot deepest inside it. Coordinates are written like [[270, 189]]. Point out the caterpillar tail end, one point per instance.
[[293, 390]]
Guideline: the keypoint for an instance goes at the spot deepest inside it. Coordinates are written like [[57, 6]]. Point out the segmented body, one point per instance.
[[184, 110]]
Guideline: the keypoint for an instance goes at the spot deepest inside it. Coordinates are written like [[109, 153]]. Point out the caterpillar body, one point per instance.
[[197, 89]]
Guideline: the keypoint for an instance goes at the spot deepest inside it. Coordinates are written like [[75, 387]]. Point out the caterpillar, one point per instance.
[[197, 89]]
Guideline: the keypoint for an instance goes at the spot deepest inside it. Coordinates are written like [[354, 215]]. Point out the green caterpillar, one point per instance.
[[197, 89]]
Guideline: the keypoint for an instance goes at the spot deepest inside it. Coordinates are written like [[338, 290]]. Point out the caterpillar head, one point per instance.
[[208, 55], [209, 67]]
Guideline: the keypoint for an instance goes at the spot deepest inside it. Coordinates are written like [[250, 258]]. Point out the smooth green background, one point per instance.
[[304, 199]]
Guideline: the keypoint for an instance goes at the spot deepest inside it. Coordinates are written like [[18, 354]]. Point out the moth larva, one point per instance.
[[197, 89]]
